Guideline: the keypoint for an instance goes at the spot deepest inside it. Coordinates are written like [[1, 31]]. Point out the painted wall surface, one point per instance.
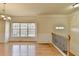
[[45, 26], [74, 30], [2, 31]]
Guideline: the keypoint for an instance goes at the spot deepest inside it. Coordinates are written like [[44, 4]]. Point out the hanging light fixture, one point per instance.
[[4, 16], [76, 5]]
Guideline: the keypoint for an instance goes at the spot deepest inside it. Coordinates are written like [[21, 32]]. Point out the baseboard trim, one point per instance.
[[58, 49], [22, 41], [71, 54], [42, 42], [71, 51], [2, 42]]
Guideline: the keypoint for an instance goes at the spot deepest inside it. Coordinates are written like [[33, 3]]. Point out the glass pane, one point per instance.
[[23, 29], [31, 29], [31, 25], [15, 25], [15, 29]]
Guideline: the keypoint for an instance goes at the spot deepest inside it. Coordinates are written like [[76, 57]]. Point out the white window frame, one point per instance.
[[20, 30]]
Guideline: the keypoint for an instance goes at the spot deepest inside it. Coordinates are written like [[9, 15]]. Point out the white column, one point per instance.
[[7, 29]]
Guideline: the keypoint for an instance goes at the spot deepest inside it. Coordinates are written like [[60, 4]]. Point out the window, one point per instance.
[[15, 29], [23, 30], [31, 29]]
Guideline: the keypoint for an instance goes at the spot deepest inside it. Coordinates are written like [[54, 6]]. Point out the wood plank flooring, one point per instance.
[[28, 49]]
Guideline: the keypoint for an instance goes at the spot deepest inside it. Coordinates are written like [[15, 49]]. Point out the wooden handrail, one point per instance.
[[68, 45], [52, 33]]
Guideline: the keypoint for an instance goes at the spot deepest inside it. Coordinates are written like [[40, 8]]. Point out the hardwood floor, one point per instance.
[[28, 49], [47, 50]]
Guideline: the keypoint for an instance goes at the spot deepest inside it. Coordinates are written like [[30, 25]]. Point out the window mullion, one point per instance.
[[19, 29], [27, 30]]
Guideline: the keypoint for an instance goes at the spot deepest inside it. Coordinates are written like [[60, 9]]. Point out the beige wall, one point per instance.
[[45, 25], [2, 37], [74, 30]]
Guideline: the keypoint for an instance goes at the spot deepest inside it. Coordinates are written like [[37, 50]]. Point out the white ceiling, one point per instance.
[[31, 9]]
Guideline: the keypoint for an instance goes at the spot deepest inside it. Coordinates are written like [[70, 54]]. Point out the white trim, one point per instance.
[[73, 52]]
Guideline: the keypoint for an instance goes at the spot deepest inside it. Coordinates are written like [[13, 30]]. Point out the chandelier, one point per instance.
[[76, 5], [4, 16]]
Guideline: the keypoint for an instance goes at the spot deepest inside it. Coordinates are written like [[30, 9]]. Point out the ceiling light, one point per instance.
[[4, 19], [76, 5], [9, 18], [57, 27], [60, 28], [4, 16]]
